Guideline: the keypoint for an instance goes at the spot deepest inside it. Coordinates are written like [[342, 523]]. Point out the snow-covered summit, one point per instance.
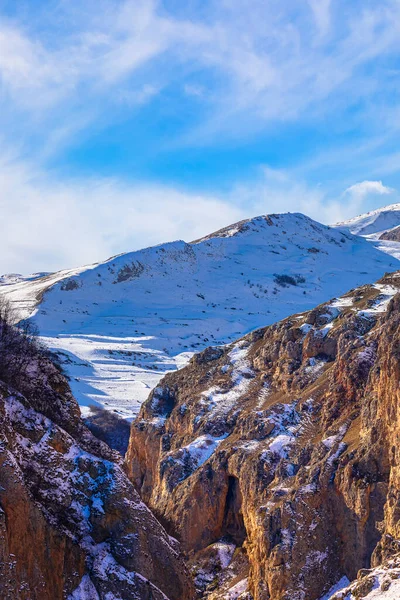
[[120, 324], [374, 222], [11, 278], [257, 225]]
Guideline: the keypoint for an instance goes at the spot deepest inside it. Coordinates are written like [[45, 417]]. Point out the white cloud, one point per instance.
[[49, 225], [360, 190], [25, 65], [279, 190], [271, 64], [362, 197]]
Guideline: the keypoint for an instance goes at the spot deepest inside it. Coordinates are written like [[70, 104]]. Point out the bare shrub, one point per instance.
[[130, 271], [109, 427], [19, 347], [287, 280]]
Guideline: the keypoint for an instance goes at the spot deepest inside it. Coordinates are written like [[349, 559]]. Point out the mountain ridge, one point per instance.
[[271, 457], [118, 326], [373, 222]]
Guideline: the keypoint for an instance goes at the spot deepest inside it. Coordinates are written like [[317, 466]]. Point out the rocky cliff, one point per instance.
[[275, 460], [71, 524]]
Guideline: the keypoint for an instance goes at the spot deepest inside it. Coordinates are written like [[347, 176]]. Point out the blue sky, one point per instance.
[[129, 123]]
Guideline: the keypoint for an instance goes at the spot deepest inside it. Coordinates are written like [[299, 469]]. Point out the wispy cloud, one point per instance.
[[227, 72], [265, 52], [278, 190], [363, 196], [321, 10], [53, 225]]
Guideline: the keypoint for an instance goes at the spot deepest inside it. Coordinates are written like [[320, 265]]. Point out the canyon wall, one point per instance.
[[275, 459], [72, 525]]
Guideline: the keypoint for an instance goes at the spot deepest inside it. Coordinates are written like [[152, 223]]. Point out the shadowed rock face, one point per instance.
[[71, 523], [393, 235], [284, 445]]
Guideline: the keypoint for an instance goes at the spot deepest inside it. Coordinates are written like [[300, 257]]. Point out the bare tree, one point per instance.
[[19, 345]]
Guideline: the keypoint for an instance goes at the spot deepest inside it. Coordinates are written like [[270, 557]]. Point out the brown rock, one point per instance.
[[302, 470], [70, 520]]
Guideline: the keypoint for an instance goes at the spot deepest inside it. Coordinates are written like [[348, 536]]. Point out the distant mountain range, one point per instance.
[[374, 222]]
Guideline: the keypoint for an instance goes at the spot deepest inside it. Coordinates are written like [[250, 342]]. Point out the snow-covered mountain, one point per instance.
[[121, 324], [11, 278], [374, 222], [381, 227]]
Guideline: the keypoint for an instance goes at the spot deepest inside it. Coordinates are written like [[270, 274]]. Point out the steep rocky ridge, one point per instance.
[[71, 524], [275, 460]]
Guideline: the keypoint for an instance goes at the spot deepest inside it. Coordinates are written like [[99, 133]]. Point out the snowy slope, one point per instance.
[[374, 222], [121, 324], [373, 225], [12, 278]]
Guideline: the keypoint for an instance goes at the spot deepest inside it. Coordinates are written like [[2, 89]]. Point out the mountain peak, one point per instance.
[[373, 222], [119, 325], [255, 224]]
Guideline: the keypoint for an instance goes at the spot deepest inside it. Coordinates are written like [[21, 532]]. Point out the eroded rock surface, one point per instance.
[[275, 460], [71, 524]]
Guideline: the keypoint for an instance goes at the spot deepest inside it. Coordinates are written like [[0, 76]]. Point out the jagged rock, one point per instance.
[[287, 445], [380, 583], [72, 525]]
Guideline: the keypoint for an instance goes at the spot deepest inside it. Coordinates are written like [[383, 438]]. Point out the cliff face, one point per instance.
[[276, 460], [71, 524]]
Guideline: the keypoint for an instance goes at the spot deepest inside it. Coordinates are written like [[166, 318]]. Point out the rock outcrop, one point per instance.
[[392, 235], [275, 460], [379, 583], [71, 523]]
